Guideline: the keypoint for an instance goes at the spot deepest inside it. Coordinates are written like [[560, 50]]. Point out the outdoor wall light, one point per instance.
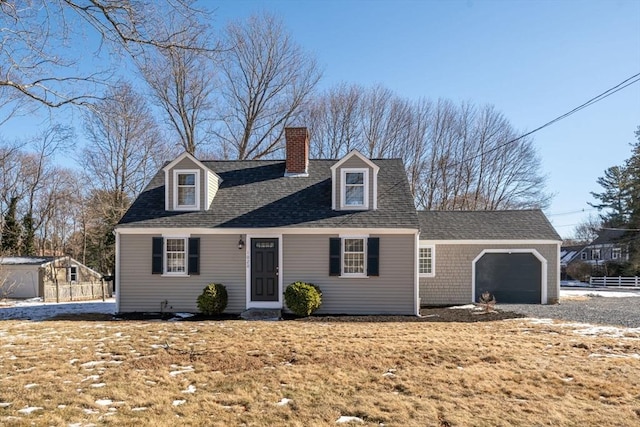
[[241, 243]]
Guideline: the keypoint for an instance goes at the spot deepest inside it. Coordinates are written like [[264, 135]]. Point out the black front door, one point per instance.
[[264, 269]]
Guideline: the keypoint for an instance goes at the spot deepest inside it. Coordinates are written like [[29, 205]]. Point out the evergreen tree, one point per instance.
[[27, 246], [11, 230], [615, 197]]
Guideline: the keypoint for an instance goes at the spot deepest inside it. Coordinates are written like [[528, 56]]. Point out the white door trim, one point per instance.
[[263, 304]]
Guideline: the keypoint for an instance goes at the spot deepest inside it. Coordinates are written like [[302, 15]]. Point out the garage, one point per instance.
[[512, 277]]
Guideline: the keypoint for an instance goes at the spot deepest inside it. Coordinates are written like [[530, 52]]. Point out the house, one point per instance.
[[512, 254], [609, 246], [52, 278], [348, 226]]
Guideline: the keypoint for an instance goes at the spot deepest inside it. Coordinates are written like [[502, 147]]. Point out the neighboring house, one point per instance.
[[568, 255], [512, 254], [348, 226], [48, 277], [609, 246]]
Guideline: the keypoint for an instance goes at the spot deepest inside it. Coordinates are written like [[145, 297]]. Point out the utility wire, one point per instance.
[[623, 84]]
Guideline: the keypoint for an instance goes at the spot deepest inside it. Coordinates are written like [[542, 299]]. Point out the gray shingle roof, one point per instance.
[[486, 225], [255, 194], [609, 236]]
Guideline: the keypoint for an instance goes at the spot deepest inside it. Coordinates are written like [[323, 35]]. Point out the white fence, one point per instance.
[[629, 282]]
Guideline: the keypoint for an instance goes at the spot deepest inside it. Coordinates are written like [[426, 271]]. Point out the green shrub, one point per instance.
[[213, 299], [303, 298]]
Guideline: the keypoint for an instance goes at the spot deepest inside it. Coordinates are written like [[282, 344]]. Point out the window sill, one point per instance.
[[355, 276], [186, 208], [174, 275], [425, 275]]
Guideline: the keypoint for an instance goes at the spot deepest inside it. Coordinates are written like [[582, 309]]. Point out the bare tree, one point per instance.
[[458, 157], [39, 50], [183, 81], [587, 230], [266, 79], [125, 145]]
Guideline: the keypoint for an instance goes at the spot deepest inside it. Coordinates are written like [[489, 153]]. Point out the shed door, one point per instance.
[[514, 278]]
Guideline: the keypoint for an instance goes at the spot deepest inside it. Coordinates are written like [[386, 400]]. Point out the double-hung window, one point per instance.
[[175, 256], [426, 261], [353, 260], [595, 253], [73, 273], [186, 190], [355, 191], [175, 253]]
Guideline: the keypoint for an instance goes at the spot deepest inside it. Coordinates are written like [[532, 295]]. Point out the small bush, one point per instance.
[[487, 301], [213, 299], [303, 298]]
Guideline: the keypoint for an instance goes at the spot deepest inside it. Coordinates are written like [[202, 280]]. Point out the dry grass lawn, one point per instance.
[[302, 373]]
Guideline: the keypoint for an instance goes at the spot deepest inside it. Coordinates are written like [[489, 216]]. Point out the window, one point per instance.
[[425, 262], [73, 273], [595, 253], [353, 259], [186, 190], [354, 256], [355, 188], [583, 255], [175, 254], [616, 253]]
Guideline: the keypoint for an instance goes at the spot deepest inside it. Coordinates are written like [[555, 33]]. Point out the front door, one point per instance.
[[264, 269]]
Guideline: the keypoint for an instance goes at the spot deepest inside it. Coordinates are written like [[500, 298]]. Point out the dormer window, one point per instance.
[[186, 189], [355, 188]]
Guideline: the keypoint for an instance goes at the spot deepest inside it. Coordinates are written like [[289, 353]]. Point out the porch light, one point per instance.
[[241, 243]]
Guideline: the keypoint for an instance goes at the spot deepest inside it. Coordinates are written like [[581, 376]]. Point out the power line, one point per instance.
[[572, 212], [623, 84]]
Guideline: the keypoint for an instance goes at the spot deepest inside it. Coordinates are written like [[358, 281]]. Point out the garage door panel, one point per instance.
[[510, 277]]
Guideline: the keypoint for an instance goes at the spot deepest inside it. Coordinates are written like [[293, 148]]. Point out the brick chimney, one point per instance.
[[297, 146]]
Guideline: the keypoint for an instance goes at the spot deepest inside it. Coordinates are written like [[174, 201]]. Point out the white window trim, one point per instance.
[[583, 256], [362, 275], [176, 206], [594, 252], [433, 260], [165, 263], [616, 253], [343, 189], [70, 277]]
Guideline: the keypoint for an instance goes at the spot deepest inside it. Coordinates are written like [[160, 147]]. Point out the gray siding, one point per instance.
[[353, 162], [452, 283], [141, 291], [187, 163], [306, 258]]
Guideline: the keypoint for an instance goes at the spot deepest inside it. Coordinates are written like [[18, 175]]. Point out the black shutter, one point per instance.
[[194, 255], [373, 256], [335, 247], [156, 258]]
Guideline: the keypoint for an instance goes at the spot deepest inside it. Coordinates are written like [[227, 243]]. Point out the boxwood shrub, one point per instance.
[[213, 299], [303, 298]]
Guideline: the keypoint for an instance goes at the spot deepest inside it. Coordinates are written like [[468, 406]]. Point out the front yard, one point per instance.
[[301, 373]]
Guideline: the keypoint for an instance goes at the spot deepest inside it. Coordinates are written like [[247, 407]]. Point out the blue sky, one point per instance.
[[533, 60]]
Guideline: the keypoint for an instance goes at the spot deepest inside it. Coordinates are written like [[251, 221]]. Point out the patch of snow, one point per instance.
[[62, 406], [284, 401], [347, 419], [181, 370], [104, 402], [156, 346], [99, 385], [92, 363], [91, 378], [72, 361], [4, 404], [30, 409], [616, 356], [140, 408], [31, 385], [190, 389], [567, 379], [183, 315], [606, 293], [179, 402], [90, 411], [389, 375], [464, 307], [35, 309]]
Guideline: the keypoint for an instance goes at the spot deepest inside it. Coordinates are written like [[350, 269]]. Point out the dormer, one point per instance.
[[354, 181], [189, 184]]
